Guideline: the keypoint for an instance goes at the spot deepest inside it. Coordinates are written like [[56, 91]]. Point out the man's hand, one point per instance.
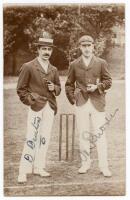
[[91, 87], [51, 86]]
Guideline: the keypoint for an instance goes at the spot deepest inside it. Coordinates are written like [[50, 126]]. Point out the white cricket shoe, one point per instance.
[[41, 172], [22, 178], [106, 172]]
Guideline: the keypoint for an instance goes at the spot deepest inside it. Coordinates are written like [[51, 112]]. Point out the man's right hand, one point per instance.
[[91, 87]]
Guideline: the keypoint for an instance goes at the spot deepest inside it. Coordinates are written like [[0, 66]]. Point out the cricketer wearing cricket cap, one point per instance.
[[38, 85], [86, 85]]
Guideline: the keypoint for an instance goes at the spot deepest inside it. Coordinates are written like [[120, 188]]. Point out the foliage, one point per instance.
[[23, 24]]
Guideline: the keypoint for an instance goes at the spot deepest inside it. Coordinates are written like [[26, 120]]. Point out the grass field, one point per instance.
[[65, 179]]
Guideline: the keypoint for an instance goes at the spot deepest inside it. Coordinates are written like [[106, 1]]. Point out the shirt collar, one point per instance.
[[87, 60], [43, 64]]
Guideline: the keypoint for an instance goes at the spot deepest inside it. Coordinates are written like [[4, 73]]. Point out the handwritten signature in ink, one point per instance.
[[32, 143], [93, 139]]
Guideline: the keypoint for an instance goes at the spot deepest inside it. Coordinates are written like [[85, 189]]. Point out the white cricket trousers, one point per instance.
[[39, 125], [86, 116]]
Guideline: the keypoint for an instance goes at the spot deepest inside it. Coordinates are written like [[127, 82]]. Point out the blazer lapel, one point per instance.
[[41, 72], [82, 64], [50, 68], [39, 67], [91, 63]]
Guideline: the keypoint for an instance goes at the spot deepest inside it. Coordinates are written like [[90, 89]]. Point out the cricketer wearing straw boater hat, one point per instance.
[[38, 85], [87, 81]]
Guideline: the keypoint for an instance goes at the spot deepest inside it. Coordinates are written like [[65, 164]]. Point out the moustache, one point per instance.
[[46, 55]]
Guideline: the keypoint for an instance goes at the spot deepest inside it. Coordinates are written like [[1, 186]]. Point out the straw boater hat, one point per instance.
[[45, 40]]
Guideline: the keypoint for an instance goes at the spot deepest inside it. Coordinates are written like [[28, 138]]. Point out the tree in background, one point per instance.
[[97, 21], [15, 20], [22, 25]]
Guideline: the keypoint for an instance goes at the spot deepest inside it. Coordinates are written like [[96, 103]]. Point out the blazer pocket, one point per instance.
[[40, 102], [32, 97]]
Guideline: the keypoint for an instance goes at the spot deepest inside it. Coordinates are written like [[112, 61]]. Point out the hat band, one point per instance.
[[46, 40]]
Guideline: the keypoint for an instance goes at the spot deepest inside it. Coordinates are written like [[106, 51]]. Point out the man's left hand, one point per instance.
[[51, 86], [91, 87]]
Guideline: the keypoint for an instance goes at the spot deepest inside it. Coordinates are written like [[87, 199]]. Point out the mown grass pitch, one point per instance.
[[65, 179]]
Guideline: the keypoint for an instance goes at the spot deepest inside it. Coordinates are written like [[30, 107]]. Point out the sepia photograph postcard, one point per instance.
[[64, 99]]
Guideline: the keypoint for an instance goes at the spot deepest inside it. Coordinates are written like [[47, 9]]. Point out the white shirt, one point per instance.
[[87, 60], [43, 64]]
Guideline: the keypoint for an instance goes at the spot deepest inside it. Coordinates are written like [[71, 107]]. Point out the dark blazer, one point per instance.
[[79, 76], [32, 85]]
